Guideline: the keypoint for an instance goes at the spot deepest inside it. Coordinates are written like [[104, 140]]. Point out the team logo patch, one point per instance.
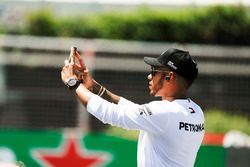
[[192, 111], [191, 127], [171, 64], [144, 110]]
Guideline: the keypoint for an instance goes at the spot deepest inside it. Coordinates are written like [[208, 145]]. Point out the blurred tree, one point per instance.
[[42, 23]]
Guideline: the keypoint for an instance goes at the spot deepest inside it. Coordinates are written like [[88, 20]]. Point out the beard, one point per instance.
[[155, 89]]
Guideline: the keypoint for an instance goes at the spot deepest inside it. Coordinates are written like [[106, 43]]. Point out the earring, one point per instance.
[[167, 78]]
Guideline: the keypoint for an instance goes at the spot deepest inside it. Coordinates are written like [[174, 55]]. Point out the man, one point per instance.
[[171, 130]]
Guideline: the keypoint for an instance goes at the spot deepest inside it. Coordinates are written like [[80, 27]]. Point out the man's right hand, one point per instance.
[[82, 72]]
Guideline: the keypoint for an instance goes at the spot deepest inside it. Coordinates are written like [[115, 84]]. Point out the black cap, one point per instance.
[[178, 61]]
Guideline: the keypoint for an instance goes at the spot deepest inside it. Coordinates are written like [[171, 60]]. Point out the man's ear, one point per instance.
[[169, 75]]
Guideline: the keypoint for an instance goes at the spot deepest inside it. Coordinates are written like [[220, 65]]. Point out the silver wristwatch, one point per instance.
[[73, 83]]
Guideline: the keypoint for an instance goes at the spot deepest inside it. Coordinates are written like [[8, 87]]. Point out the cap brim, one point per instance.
[[152, 61]]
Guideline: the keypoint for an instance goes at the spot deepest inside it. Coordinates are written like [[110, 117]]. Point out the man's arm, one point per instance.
[[90, 83], [104, 93], [127, 116], [75, 70]]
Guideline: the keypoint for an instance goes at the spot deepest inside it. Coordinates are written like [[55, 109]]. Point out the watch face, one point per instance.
[[72, 82]]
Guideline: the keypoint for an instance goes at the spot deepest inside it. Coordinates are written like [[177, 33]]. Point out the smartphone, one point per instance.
[[75, 49]]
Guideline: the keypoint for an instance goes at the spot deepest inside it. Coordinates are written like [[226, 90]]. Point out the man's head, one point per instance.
[[172, 65]]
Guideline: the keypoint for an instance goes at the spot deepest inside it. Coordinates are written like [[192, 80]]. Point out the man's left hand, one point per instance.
[[68, 70]]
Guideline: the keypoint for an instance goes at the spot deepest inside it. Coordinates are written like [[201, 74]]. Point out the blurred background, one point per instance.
[[40, 118]]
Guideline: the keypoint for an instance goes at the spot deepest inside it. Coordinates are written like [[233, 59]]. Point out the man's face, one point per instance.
[[156, 79]]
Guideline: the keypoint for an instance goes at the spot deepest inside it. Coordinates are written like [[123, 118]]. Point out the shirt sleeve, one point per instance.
[[127, 115], [124, 101]]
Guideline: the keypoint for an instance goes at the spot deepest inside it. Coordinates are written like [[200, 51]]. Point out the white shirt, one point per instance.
[[170, 132]]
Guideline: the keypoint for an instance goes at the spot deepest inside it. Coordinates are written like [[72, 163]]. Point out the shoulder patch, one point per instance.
[[145, 110]]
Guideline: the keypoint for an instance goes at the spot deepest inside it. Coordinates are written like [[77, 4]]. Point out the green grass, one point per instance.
[[217, 121], [123, 133], [221, 122]]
